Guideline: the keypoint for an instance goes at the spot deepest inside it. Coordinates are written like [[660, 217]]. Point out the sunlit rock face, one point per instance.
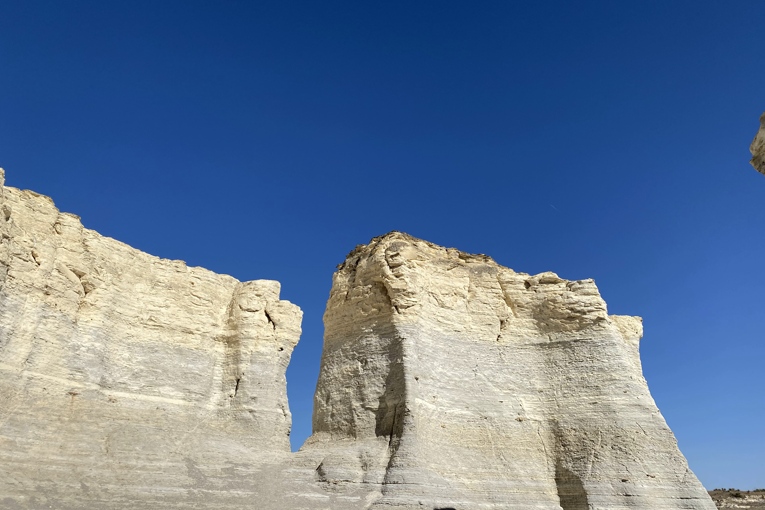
[[758, 148], [129, 381], [449, 381]]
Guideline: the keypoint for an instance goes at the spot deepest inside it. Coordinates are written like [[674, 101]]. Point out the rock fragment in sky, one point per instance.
[[758, 148]]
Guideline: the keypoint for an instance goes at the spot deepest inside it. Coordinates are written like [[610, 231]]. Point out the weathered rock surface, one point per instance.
[[129, 381], [758, 148], [447, 381]]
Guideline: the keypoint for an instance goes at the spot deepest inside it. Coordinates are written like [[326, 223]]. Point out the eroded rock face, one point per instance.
[[129, 381], [449, 381], [758, 148]]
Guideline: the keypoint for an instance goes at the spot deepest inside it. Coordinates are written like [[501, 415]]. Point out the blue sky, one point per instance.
[[266, 139]]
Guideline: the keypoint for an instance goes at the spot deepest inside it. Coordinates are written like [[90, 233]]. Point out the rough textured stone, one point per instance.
[[758, 148], [447, 381], [129, 378]]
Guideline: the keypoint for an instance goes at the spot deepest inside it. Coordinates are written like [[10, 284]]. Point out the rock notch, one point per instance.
[[447, 382]]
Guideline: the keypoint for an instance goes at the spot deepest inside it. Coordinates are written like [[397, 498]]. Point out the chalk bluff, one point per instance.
[[129, 381], [758, 148], [447, 382]]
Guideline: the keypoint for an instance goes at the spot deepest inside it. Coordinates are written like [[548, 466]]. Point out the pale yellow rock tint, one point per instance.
[[131, 381], [758, 148], [447, 382]]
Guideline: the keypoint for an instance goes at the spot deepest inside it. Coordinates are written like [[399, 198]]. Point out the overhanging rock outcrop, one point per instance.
[[758, 148], [447, 382]]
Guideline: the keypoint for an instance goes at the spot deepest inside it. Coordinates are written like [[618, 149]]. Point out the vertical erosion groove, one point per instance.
[[570, 490]]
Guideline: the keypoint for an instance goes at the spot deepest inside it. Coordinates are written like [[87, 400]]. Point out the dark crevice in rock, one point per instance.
[[570, 489], [270, 320], [393, 426]]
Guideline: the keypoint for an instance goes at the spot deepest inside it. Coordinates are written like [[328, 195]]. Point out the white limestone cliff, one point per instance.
[[447, 382], [758, 148], [129, 378]]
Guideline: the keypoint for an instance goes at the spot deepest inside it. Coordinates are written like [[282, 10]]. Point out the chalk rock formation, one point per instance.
[[129, 381], [449, 381], [758, 148]]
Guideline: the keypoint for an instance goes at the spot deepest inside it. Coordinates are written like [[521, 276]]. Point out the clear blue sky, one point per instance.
[[266, 139]]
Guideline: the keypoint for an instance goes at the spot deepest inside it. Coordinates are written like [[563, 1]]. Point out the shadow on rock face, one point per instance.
[[570, 490]]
